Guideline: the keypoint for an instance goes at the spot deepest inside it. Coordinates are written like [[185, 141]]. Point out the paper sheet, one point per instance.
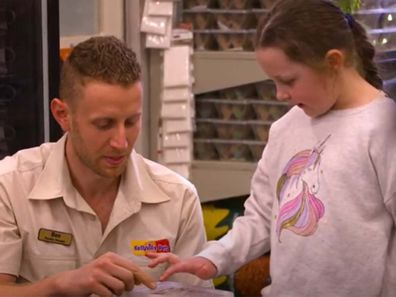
[[173, 289]]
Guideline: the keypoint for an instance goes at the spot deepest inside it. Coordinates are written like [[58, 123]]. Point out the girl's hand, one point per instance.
[[199, 266]]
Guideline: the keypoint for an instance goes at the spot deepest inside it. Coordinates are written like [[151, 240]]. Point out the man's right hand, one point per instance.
[[199, 266], [107, 275]]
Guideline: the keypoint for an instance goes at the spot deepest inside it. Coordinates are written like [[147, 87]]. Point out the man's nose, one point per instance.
[[119, 139]]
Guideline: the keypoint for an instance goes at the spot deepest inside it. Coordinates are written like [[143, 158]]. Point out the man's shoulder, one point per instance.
[[161, 174], [26, 160]]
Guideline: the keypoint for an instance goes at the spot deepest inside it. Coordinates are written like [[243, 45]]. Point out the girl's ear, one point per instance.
[[61, 112], [334, 59]]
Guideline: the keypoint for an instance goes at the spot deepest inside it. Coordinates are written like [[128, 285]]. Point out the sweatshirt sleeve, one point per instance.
[[382, 150], [249, 237], [191, 236]]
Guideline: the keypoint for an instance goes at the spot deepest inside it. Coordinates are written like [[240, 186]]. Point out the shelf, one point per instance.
[[376, 10], [215, 70], [216, 180]]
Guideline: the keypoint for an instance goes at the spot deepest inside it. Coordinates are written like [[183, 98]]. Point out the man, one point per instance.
[[77, 216]]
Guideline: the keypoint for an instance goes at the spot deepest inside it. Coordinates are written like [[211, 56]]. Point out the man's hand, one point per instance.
[[107, 275]]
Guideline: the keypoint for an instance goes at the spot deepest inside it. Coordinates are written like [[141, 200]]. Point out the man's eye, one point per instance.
[[103, 125], [132, 121]]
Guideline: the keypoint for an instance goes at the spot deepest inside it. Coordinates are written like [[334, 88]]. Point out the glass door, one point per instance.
[[80, 20], [28, 66]]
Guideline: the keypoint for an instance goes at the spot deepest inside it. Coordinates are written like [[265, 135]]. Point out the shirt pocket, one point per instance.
[[35, 267]]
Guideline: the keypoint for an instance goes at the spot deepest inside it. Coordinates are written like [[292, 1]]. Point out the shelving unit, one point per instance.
[[214, 70], [217, 180], [219, 70]]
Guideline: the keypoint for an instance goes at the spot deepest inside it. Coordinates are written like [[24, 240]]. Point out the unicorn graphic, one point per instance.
[[300, 210]]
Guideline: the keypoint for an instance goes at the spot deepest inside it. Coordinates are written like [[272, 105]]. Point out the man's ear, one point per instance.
[[61, 112], [334, 59]]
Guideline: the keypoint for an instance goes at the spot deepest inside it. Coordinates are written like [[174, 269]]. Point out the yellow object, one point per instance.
[[212, 217], [141, 247], [219, 280]]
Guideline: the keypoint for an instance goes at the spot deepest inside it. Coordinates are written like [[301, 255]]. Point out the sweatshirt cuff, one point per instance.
[[217, 254]]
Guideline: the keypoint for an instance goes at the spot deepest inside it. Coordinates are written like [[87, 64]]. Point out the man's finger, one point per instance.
[[144, 278]]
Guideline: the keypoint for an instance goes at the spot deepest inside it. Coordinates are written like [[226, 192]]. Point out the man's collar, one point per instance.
[[137, 184], [50, 184]]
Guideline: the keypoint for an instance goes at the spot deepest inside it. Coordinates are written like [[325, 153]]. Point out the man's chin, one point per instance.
[[112, 172]]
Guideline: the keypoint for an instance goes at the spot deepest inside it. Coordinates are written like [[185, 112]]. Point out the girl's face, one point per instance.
[[298, 84]]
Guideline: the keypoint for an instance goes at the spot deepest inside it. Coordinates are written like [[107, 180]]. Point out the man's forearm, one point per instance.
[[43, 288]]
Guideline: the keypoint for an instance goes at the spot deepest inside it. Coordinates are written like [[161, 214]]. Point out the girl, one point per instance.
[[323, 197]]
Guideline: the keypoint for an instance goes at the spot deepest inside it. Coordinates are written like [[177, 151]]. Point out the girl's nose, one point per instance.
[[282, 95]]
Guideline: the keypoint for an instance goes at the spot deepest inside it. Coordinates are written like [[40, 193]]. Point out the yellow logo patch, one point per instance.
[[141, 247]]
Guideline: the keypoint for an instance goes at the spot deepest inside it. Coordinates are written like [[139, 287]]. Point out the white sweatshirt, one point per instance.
[[323, 200]]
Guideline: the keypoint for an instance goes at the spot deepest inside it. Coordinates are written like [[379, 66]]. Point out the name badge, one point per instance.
[[141, 247], [56, 237]]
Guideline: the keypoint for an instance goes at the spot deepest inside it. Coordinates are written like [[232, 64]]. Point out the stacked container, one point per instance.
[[233, 124], [224, 25], [177, 110]]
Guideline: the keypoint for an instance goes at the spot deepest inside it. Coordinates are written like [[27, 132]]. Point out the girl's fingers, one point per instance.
[[158, 258], [187, 265]]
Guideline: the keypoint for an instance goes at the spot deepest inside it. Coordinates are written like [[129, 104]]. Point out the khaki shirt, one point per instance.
[[46, 226]]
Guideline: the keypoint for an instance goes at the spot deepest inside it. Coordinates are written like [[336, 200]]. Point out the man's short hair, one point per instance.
[[100, 58]]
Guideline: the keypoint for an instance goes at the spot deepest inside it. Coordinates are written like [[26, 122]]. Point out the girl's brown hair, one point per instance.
[[307, 29]]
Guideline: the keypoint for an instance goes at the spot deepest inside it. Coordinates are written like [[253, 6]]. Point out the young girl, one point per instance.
[[323, 197]]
